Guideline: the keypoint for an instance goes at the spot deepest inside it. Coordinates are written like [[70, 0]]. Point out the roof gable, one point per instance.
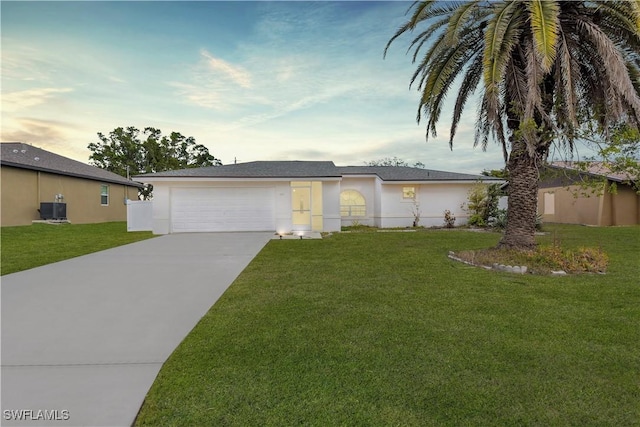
[[24, 156]]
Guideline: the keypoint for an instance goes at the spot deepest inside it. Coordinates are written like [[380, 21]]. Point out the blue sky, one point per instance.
[[250, 80]]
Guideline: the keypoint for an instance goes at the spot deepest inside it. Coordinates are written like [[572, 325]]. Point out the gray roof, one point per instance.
[[597, 169], [404, 173], [266, 169], [25, 156], [312, 169]]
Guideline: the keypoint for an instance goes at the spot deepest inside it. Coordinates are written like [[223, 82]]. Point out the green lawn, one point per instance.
[[384, 329], [34, 245]]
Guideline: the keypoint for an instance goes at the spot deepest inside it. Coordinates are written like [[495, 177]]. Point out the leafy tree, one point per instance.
[[618, 151], [496, 173], [543, 68], [127, 151], [394, 161]]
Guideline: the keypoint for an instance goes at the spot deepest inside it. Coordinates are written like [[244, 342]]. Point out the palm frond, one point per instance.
[[568, 73], [442, 73], [460, 19], [516, 84], [616, 67], [534, 73], [467, 87], [424, 37], [544, 28], [423, 11], [547, 66], [438, 46], [502, 35], [486, 128], [634, 5], [623, 14], [427, 36], [483, 126]]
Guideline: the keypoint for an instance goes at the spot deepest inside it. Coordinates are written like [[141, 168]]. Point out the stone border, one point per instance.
[[517, 269]]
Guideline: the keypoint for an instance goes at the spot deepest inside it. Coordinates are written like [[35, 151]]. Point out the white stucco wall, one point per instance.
[[365, 186], [283, 206], [432, 200], [395, 210], [331, 205]]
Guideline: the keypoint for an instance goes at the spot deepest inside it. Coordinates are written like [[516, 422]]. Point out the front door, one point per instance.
[[301, 206]]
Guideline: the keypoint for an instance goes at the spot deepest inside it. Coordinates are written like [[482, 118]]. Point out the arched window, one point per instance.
[[352, 203]]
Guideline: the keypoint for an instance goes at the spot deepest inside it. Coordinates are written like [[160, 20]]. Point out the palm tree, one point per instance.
[[545, 68]]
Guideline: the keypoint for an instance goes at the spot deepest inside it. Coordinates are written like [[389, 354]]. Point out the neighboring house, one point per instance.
[[31, 176], [571, 195], [296, 196]]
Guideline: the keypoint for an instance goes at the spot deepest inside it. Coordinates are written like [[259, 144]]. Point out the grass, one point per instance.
[[384, 329], [34, 245]]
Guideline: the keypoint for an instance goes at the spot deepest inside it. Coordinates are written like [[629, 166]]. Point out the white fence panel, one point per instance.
[[139, 215]]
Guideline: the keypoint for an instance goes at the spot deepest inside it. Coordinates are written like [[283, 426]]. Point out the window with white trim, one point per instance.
[[104, 195], [352, 204]]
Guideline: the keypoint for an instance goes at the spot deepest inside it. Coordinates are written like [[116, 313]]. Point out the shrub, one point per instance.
[[500, 220], [581, 260], [482, 204], [416, 212], [449, 219]]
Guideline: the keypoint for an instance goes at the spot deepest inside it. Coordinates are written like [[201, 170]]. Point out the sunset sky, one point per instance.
[[249, 80]]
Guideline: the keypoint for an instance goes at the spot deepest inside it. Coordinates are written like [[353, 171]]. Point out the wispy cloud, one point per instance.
[[215, 84], [35, 130], [221, 68], [61, 137], [116, 79], [19, 100], [201, 96], [21, 62]]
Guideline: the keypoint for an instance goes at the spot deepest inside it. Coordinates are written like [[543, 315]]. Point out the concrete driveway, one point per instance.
[[83, 339]]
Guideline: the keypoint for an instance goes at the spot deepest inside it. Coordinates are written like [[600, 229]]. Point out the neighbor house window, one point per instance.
[[104, 195], [408, 192], [352, 204]]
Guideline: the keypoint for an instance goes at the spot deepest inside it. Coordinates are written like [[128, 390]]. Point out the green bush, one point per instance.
[[482, 204]]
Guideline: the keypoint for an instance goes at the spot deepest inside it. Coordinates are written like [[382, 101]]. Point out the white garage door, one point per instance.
[[222, 209]]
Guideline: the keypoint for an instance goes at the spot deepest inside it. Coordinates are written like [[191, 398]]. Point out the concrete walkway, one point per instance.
[[83, 339]]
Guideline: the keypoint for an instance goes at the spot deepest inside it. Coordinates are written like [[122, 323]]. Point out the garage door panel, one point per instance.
[[222, 209]]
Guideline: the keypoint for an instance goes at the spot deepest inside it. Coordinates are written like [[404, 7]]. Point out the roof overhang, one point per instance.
[[151, 180], [71, 174], [444, 181]]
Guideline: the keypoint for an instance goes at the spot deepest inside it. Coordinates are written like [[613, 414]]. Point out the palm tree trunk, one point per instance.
[[523, 199]]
